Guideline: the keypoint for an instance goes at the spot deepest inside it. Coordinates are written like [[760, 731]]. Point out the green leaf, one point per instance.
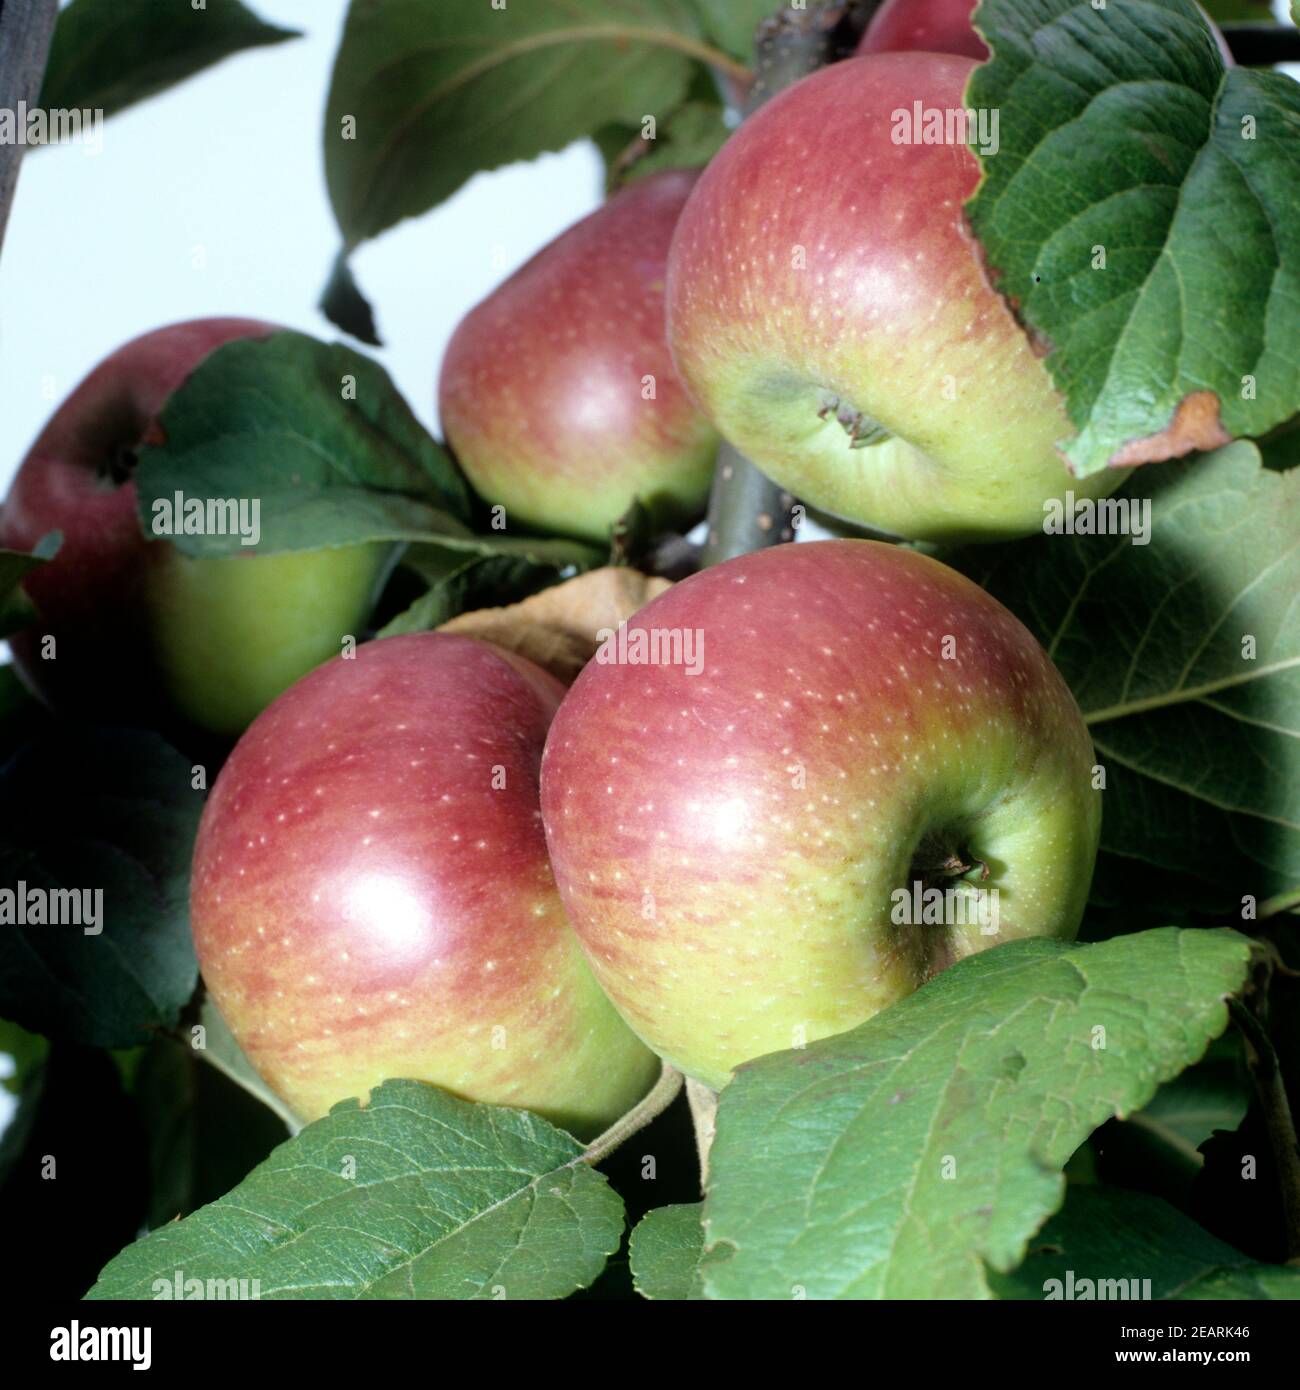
[[1233, 11], [665, 1251], [1120, 129], [318, 435], [1104, 1234], [109, 54], [447, 1200], [1254, 1282], [99, 811], [691, 136], [545, 552], [1212, 1095], [439, 92], [343, 303], [613, 143], [214, 1043], [1158, 1149], [698, 121], [1186, 1111], [733, 24], [454, 584], [903, 1158], [490, 571], [1200, 738], [204, 1132]]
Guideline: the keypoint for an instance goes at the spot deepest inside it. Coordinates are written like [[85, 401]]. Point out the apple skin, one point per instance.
[[730, 911], [935, 26], [946, 26], [367, 905], [891, 313], [541, 395], [144, 634]]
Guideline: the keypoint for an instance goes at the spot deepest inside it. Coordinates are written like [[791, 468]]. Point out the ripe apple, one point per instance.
[[558, 394], [371, 896], [744, 851], [141, 632], [821, 286], [936, 26], [945, 26]]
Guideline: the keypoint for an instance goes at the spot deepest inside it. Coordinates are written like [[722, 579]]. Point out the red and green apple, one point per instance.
[[947, 26], [371, 894], [750, 843], [128, 628], [558, 393], [831, 314], [935, 26]]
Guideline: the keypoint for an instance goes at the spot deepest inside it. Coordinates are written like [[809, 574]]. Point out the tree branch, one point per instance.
[[26, 27]]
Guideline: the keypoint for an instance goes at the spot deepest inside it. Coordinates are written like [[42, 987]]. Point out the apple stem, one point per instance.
[[1270, 1088], [660, 1096], [26, 27], [798, 40], [746, 510], [704, 1113]]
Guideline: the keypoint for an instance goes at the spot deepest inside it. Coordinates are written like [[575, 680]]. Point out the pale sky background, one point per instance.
[[102, 247]]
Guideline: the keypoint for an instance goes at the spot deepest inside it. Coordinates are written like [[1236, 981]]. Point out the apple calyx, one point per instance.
[[119, 467], [955, 866], [862, 429], [937, 865]]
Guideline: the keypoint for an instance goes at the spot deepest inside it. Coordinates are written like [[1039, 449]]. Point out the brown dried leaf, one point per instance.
[[1195, 426], [557, 628]]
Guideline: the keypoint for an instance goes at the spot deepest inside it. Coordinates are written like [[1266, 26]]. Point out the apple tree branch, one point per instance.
[[26, 27]]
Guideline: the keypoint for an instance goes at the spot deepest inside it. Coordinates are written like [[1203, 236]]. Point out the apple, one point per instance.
[[129, 629], [945, 26], [937, 26], [371, 896], [821, 288], [800, 812], [558, 394]]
